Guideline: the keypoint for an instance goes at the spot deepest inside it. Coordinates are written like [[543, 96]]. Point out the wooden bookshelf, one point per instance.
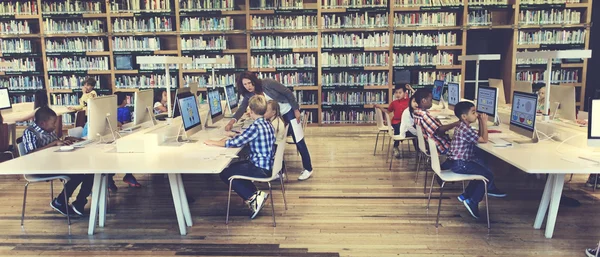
[[236, 42]]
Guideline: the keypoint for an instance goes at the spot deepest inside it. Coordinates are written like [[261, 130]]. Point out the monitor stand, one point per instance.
[[533, 140], [112, 132], [182, 137], [206, 126]]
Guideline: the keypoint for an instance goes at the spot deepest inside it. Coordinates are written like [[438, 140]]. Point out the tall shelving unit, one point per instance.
[[339, 56]]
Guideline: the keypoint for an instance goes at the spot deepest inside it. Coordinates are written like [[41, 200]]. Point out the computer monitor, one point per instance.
[[232, 98], [498, 84], [523, 112], [5, 99], [594, 123], [437, 91], [214, 103], [102, 117], [190, 115], [143, 107], [523, 86], [453, 95], [562, 103], [179, 91], [487, 102]]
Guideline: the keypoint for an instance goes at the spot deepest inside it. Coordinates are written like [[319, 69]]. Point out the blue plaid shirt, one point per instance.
[[35, 137], [260, 136]]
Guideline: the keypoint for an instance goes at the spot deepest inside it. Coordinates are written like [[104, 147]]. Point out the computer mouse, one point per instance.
[[67, 148]]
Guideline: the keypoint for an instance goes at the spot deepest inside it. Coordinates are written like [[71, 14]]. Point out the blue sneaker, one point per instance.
[[472, 207], [461, 198]]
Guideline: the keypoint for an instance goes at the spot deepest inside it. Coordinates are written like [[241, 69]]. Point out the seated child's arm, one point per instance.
[[238, 141], [483, 133], [441, 130]]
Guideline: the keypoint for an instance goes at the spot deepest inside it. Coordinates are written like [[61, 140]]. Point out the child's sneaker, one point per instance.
[[305, 175], [78, 208], [496, 193], [131, 181], [60, 207], [461, 198], [472, 207], [591, 252], [112, 186], [397, 153], [257, 202]]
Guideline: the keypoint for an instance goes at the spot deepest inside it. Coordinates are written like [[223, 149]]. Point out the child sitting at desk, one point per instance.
[[40, 135], [260, 136], [407, 126], [123, 117], [88, 93], [462, 158], [160, 99], [397, 107], [431, 126]]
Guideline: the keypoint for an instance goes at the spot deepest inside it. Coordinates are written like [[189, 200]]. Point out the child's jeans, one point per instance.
[[244, 188], [86, 181], [396, 132], [476, 190]]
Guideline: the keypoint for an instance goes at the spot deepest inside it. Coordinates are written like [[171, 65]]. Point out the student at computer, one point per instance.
[[160, 102], [40, 135], [249, 85], [407, 125], [463, 159], [432, 127], [396, 108], [260, 136], [88, 93]]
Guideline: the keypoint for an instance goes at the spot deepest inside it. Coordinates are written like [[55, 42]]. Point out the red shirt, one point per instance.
[[398, 106]]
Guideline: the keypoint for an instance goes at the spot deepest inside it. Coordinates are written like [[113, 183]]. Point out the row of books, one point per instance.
[[536, 61], [344, 78], [344, 98], [64, 99], [276, 4], [377, 39], [291, 79], [22, 82], [420, 3], [306, 97], [284, 22], [425, 19], [140, 5], [206, 80], [353, 3], [198, 62], [283, 60], [550, 1], [479, 18], [153, 24], [412, 39], [355, 59], [22, 99], [355, 20], [204, 43], [15, 45], [144, 81], [53, 26], [65, 45], [423, 58], [487, 2], [71, 7], [428, 77], [70, 82], [20, 64], [18, 7], [552, 37], [77, 63], [347, 117], [136, 43], [157, 66], [190, 24], [14, 27], [557, 76], [208, 5], [552, 16], [283, 42]]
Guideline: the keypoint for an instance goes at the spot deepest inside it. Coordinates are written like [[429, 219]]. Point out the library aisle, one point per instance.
[[352, 206]]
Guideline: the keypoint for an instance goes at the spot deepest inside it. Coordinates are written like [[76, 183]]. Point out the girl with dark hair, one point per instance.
[[249, 85], [160, 102], [407, 125]]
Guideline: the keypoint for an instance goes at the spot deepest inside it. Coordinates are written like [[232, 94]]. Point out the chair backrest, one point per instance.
[[75, 132], [379, 118], [421, 140], [80, 119], [278, 162], [21, 148], [389, 124], [435, 157]]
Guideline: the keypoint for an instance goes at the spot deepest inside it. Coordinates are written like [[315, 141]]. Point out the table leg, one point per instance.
[[102, 201], [544, 203], [184, 203], [13, 131], [557, 189], [173, 181], [94, 207]]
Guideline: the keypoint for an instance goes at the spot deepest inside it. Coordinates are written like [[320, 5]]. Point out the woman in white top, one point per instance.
[[407, 124]]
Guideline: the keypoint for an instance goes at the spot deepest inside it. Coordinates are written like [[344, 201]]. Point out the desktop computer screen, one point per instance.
[[594, 123], [487, 101], [188, 108], [453, 94], [5, 99], [438, 89], [562, 103], [214, 103], [143, 107], [102, 117], [522, 115], [232, 98], [178, 92]]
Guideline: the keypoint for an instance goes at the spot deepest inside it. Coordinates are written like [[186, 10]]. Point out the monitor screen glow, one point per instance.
[[453, 93], [523, 110], [214, 102], [438, 89], [487, 100], [4, 99], [231, 96], [189, 111]]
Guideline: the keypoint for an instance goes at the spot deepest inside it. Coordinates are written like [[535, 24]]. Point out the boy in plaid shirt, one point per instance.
[[260, 137], [431, 126], [462, 157]]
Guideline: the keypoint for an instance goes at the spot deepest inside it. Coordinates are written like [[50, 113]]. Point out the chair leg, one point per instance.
[[392, 156], [24, 201], [426, 173], [51, 190], [383, 141], [287, 178], [437, 220], [272, 204], [402, 149], [388, 152], [67, 203], [228, 202], [430, 191], [376, 141], [595, 183], [571, 178], [419, 157], [283, 192], [487, 208], [463, 186]]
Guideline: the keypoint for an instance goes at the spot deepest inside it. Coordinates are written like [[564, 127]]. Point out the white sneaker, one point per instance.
[[305, 175], [279, 175], [396, 152], [257, 203]]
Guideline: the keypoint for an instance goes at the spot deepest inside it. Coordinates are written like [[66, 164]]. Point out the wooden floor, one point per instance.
[[352, 206]]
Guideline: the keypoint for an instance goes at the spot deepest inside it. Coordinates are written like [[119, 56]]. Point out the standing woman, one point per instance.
[[249, 85]]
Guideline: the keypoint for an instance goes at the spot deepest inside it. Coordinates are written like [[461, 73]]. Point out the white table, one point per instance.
[[101, 159]]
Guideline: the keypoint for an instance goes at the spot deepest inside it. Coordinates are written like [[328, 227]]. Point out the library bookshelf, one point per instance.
[[339, 58]]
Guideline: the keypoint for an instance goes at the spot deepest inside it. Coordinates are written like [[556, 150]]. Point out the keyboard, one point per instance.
[[83, 143], [131, 129], [499, 142]]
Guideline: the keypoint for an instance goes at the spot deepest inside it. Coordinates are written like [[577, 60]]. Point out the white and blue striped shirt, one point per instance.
[[35, 137], [260, 136]]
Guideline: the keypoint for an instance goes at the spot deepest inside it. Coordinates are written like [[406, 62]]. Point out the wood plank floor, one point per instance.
[[352, 206]]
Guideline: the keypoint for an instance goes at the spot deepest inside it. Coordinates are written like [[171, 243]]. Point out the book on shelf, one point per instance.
[[71, 7], [204, 43], [15, 45], [425, 19], [144, 81], [306, 97], [64, 99], [353, 4], [344, 78], [354, 59], [423, 3], [18, 7], [347, 116], [538, 60], [276, 5], [205, 81], [136, 6], [420, 39], [479, 18], [534, 2], [14, 27], [417, 58], [354, 98], [70, 82], [284, 22], [197, 62], [283, 42], [487, 2], [57, 26], [22, 83], [557, 76], [375, 39], [206, 5], [552, 37], [77, 63], [135, 24], [291, 79], [157, 66], [199, 24], [548, 17], [136, 43], [20, 64], [283, 60], [69, 45], [355, 20], [428, 77]]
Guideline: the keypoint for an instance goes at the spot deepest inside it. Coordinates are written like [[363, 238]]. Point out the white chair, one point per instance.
[[422, 154], [449, 176], [36, 179], [277, 167], [401, 138], [380, 128]]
